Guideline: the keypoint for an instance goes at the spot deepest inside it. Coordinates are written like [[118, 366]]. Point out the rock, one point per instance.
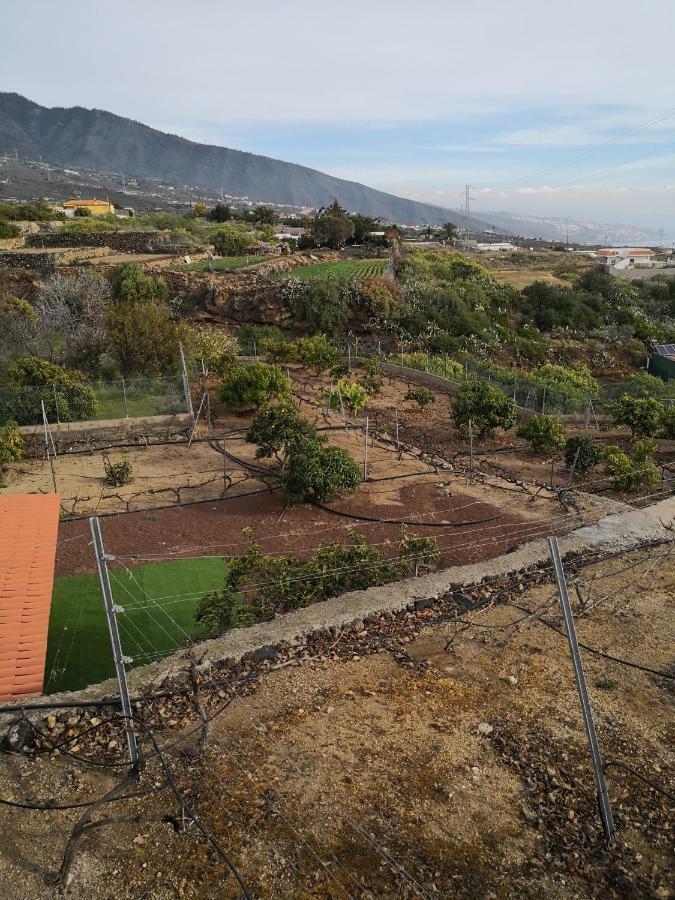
[[485, 728]]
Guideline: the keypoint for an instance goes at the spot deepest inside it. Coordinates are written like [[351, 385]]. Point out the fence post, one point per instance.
[[186, 384], [349, 356], [365, 452], [601, 787], [56, 405], [255, 351], [124, 394], [111, 615], [543, 401], [470, 452], [398, 443]]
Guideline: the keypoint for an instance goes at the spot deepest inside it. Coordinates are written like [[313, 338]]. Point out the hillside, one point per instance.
[[103, 142]]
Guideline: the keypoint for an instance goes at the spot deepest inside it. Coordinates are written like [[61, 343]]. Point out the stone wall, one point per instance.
[[48, 261], [121, 241]]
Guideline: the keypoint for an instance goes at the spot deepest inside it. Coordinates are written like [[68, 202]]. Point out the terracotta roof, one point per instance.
[[608, 252], [28, 530], [71, 203], [639, 251]]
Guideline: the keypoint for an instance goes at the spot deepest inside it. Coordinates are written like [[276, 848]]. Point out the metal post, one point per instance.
[[356, 348], [365, 452], [588, 414], [398, 443], [470, 451], [56, 405], [543, 401], [255, 351], [349, 356], [111, 611], [342, 406], [601, 787], [199, 412], [48, 433], [186, 384], [124, 393]]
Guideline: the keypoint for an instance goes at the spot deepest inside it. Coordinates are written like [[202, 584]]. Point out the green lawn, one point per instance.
[[78, 648], [225, 264], [345, 268]]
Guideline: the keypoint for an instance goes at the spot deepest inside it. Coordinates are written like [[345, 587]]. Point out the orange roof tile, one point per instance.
[[28, 531], [71, 203]]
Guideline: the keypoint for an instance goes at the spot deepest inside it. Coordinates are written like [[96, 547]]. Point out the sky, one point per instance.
[[546, 109]]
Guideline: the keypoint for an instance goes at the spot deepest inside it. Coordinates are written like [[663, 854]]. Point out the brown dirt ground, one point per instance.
[[363, 773]]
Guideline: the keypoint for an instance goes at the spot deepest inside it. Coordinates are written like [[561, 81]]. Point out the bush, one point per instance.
[[589, 454], [323, 303], [668, 422], [209, 345], [319, 472], [545, 434], [371, 381], [381, 298], [278, 350], [130, 284], [119, 473], [65, 395], [277, 584], [253, 384], [317, 353], [230, 241], [8, 230], [280, 429], [633, 471], [485, 406], [421, 396], [641, 414], [11, 443], [351, 393]]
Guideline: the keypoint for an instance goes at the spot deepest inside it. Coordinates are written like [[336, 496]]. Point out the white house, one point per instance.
[[625, 257]]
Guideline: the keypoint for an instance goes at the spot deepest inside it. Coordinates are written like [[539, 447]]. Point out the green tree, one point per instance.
[[131, 284], [316, 353], [371, 380], [64, 392], [210, 345], [485, 406], [634, 470], [265, 215], [545, 434], [319, 472], [585, 451], [321, 302], [278, 350], [331, 231], [279, 429], [11, 443], [253, 384], [142, 336], [221, 212], [421, 396], [449, 230], [668, 422], [231, 241], [641, 414], [8, 230]]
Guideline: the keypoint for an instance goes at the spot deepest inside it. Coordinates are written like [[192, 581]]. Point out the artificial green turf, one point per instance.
[[78, 648]]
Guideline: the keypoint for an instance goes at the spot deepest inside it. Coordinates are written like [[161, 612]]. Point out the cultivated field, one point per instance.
[[343, 269]]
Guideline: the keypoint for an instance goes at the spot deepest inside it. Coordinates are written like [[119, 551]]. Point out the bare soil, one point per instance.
[[435, 761]]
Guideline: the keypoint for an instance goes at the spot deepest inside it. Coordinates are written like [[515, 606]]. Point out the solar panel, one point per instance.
[[665, 349]]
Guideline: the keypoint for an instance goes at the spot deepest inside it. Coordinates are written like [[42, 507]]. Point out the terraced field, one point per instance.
[[343, 269]]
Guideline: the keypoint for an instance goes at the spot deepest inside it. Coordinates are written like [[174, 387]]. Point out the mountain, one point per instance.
[[580, 231], [100, 141]]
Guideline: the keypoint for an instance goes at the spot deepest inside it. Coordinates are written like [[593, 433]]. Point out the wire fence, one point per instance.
[[93, 401]]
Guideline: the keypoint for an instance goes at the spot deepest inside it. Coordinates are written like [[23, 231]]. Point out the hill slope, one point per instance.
[[98, 140]]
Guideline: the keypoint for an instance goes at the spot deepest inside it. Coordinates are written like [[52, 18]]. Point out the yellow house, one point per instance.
[[93, 207]]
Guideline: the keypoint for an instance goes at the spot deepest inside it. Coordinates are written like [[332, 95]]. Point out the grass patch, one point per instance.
[[225, 264], [78, 648], [342, 269]]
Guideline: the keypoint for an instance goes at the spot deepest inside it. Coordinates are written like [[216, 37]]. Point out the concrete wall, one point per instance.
[[119, 431]]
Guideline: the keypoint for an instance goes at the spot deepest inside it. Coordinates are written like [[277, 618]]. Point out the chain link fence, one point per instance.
[[93, 401]]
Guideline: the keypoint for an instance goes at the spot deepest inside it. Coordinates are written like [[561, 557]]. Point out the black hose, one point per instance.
[[363, 518]]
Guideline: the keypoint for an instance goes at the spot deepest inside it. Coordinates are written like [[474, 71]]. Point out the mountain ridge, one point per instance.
[[103, 141]]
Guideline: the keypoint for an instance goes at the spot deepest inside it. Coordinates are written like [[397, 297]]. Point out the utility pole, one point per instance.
[[111, 611], [600, 785], [467, 207]]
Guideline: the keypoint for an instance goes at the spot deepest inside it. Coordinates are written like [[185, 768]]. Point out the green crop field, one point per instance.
[[225, 264], [159, 602], [343, 269]]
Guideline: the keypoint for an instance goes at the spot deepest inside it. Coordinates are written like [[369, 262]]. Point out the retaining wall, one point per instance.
[[122, 241]]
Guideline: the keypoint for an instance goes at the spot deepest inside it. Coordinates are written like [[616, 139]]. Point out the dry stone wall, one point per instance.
[[121, 241]]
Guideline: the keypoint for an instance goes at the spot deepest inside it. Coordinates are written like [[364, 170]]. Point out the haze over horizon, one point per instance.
[[545, 111]]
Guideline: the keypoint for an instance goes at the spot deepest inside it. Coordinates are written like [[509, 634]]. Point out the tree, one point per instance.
[[331, 231], [8, 230], [421, 396], [64, 392], [641, 414], [485, 406], [278, 350], [18, 321], [253, 384], [449, 231], [70, 314], [319, 472], [11, 443], [230, 241], [221, 212], [210, 345], [363, 226], [279, 429], [633, 471], [265, 215], [81, 212], [668, 422], [545, 434], [142, 336], [321, 302], [317, 353], [200, 209], [582, 453]]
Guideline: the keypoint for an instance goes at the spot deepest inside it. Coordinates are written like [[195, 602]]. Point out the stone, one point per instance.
[[485, 728]]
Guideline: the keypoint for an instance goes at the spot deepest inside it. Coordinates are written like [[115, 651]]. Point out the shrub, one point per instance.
[[209, 345], [371, 381], [319, 472], [631, 471], [230, 241], [545, 434], [352, 395], [8, 230], [381, 298], [119, 473], [130, 284], [143, 337], [323, 303], [668, 422], [11, 443], [641, 414], [589, 456], [65, 395], [277, 584], [485, 406], [278, 350], [317, 353], [421, 396], [253, 384]]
